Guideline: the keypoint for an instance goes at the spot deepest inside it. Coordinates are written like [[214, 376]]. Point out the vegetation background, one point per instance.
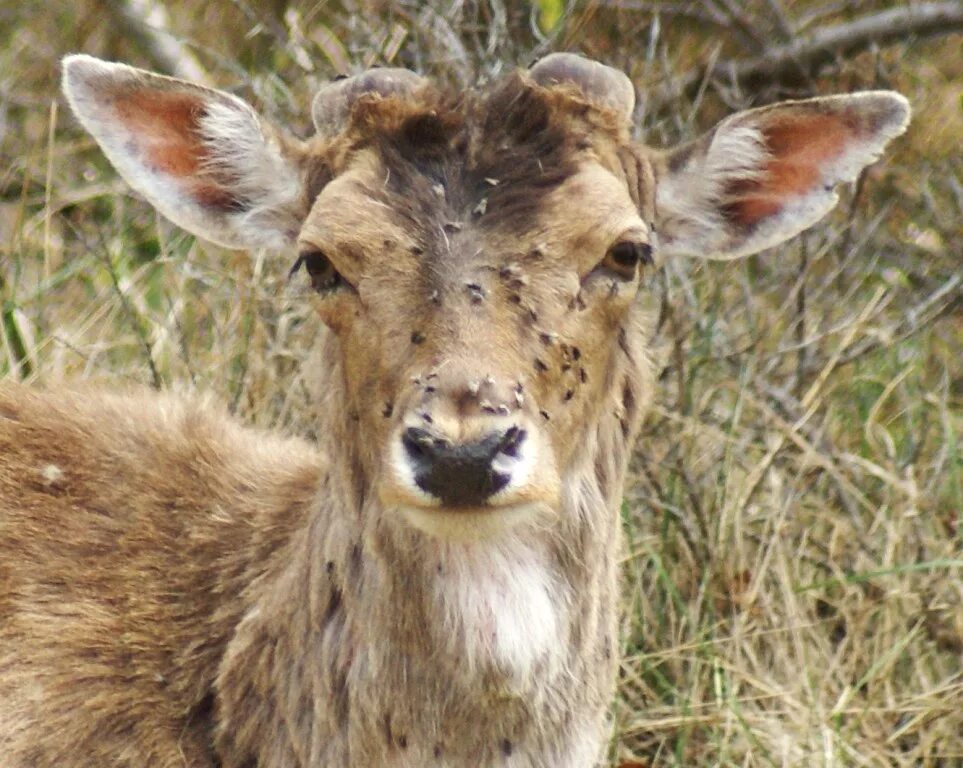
[[793, 589]]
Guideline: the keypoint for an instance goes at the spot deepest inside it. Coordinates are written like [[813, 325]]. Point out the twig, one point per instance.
[[148, 23], [806, 54], [802, 353], [782, 21], [263, 22], [916, 318], [702, 14], [809, 405], [136, 321], [743, 24]]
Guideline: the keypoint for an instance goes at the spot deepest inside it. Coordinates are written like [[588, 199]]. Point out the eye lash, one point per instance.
[[298, 263], [324, 277], [645, 254], [624, 257]]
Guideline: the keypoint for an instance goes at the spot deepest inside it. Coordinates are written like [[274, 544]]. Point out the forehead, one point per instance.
[[519, 162]]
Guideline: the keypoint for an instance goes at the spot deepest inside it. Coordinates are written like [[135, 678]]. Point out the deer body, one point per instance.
[[435, 583], [235, 564]]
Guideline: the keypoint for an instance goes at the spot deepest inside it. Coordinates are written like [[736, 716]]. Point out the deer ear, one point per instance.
[[202, 157], [764, 175]]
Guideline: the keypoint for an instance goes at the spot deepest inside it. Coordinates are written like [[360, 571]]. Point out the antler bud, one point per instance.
[[332, 105], [599, 84]]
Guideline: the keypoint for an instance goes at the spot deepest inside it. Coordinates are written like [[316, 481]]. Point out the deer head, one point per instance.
[[478, 256]]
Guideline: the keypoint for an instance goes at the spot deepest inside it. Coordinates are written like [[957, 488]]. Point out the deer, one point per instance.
[[433, 582]]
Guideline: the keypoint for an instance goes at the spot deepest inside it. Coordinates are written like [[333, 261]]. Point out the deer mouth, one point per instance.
[[465, 524]]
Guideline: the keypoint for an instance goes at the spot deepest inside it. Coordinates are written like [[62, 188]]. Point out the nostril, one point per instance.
[[418, 443], [511, 441]]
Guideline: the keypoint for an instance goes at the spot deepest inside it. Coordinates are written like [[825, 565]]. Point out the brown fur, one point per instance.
[[176, 590], [130, 527]]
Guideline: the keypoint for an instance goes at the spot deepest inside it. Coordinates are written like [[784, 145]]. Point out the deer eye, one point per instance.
[[324, 277], [624, 258]]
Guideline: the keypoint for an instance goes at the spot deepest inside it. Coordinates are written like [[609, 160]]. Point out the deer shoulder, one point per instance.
[[131, 525]]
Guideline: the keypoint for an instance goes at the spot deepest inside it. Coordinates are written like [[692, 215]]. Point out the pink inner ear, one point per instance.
[[801, 146], [164, 127]]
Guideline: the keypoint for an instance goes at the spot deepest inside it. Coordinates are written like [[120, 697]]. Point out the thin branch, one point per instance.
[[745, 25], [148, 23], [782, 21], [944, 301], [806, 54], [704, 14]]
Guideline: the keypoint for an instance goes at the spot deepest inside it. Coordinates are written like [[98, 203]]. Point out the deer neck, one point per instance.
[[504, 608], [367, 614]]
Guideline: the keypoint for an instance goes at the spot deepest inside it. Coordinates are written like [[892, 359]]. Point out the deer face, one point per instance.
[[479, 259], [478, 315]]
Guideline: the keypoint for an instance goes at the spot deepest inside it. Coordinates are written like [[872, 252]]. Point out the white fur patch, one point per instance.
[[267, 182], [403, 473], [519, 468], [52, 474], [501, 607], [689, 200]]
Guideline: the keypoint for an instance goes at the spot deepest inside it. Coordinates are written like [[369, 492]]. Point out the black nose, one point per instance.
[[461, 475]]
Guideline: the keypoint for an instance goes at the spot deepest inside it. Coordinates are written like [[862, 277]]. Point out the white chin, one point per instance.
[[474, 523]]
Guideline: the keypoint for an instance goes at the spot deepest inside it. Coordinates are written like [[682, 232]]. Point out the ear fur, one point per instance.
[[202, 157], [763, 175]]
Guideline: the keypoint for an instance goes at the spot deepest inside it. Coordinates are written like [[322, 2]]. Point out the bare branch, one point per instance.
[[701, 13], [744, 24], [782, 21], [148, 23], [806, 54]]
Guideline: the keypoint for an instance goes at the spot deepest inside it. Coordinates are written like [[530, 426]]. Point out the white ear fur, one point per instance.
[[764, 175], [202, 157]]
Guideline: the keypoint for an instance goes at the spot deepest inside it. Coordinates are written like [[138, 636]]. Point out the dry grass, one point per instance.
[[794, 556]]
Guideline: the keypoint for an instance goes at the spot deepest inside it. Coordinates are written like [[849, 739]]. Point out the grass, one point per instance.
[[794, 553]]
